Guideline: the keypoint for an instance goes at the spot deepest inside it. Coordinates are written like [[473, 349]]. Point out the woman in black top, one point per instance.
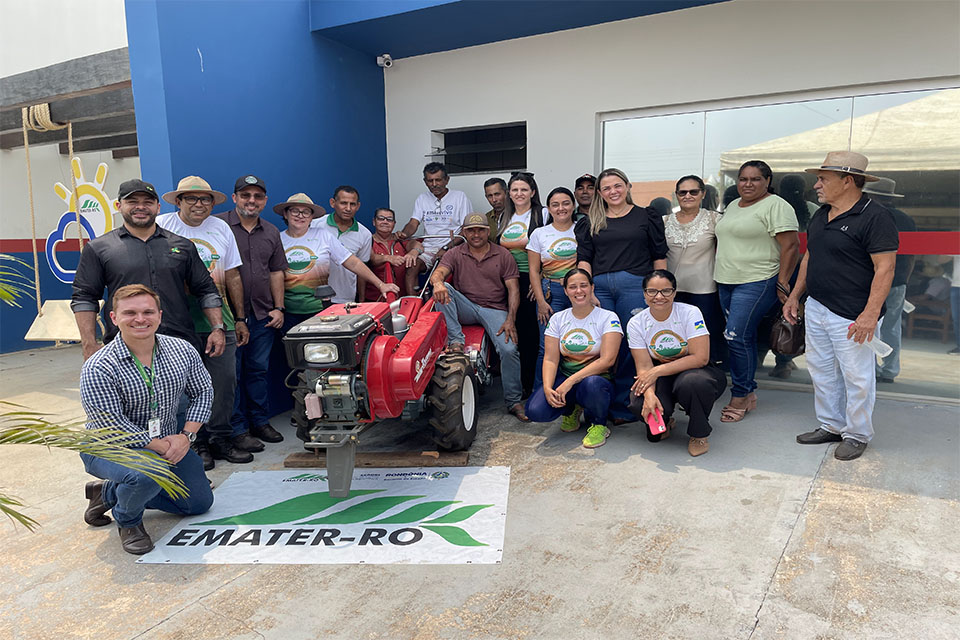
[[620, 243]]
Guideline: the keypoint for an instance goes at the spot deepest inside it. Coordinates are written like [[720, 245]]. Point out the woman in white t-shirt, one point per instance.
[[581, 345], [551, 253], [671, 349]]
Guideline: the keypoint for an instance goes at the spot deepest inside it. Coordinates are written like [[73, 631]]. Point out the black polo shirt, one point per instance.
[[167, 263], [262, 253], [840, 270]]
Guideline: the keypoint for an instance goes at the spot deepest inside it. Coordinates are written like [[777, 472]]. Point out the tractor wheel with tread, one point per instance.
[[452, 397]]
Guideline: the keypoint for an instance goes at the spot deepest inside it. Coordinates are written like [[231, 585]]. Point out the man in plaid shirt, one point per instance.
[[134, 384]]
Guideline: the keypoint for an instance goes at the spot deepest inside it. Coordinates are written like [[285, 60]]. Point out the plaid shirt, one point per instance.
[[114, 395]]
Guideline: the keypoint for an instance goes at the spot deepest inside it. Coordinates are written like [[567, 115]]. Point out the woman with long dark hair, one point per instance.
[[757, 249], [619, 243], [521, 216]]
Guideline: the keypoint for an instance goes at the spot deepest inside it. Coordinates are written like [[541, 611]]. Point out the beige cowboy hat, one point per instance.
[[193, 183], [301, 199], [883, 187], [846, 162]]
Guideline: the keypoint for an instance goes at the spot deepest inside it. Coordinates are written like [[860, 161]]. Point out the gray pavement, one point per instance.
[[759, 538]]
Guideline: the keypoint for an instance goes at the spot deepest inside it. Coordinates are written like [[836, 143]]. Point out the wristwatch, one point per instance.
[[243, 320], [280, 309], [191, 436], [214, 327]]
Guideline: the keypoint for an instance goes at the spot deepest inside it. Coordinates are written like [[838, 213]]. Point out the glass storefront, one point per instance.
[[912, 139]]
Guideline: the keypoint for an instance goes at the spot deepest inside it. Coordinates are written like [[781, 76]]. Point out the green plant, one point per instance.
[[13, 284]]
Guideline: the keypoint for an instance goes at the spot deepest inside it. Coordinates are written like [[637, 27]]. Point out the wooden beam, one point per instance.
[[110, 126], [132, 152], [387, 459], [88, 107], [101, 144], [88, 74]]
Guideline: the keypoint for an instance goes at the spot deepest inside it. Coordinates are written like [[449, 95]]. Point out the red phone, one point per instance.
[[656, 423]]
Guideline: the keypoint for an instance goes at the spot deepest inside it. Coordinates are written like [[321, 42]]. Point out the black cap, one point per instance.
[[585, 178], [249, 180], [131, 187]]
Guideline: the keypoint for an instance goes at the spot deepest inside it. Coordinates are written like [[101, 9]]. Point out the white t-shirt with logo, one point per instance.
[[217, 247], [557, 249], [580, 339], [667, 340], [310, 259], [440, 217]]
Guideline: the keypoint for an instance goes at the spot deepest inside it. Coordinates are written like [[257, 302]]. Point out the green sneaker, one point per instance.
[[572, 421], [596, 436]]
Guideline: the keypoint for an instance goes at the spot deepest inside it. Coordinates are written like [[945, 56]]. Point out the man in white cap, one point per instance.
[[852, 247], [217, 247]]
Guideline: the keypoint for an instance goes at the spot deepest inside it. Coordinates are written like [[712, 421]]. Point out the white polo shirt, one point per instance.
[[358, 240]]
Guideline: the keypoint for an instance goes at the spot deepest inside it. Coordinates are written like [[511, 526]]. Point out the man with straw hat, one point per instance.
[[852, 247], [217, 247]]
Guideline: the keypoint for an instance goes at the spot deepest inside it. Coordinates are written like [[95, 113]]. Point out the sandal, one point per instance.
[[455, 347], [518, 412], [734, 414]]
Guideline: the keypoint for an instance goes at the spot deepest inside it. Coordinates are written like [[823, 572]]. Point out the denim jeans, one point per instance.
[[593, 393], [744, 305], [843, 374], [223, 374], [459, 311], [891, 331], [955, 312], [251, 406], [558, 301], [622, 293], [129, 492]]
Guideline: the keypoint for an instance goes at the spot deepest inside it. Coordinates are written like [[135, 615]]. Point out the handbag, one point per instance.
[[788, 339]]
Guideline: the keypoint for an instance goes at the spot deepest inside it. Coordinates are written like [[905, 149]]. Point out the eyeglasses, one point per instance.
[[253, 196], [666, 293], [301, 213], [692, 192], [383, 219], [196, 199]]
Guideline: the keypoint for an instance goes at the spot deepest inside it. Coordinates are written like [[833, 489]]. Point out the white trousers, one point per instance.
[[843, 374]]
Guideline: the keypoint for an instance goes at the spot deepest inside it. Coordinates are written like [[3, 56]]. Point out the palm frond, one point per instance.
[[14, 284]]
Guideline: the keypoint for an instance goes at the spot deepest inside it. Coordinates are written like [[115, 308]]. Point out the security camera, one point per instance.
[[385, 61]]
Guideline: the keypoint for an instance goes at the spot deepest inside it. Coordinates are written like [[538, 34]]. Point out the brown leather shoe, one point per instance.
[[135, 540], [517, 411], [266, 433], [95, 513], [246, 442], [698, 446]]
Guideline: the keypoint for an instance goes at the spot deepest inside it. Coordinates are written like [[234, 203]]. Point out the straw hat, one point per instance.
[[301, 199], [846, 162], [193, 183], [883, 187]]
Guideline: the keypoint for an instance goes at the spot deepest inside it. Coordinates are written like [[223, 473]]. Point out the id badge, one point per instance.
[[153, 426]]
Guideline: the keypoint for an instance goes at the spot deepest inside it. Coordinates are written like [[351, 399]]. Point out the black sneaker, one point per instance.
[[818, 436], [203, 451], [850, 449], [222, 449], [266, 433], [246, 442]]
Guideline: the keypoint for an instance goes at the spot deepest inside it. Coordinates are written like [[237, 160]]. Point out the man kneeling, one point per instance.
[[484, 290], [134, 384]]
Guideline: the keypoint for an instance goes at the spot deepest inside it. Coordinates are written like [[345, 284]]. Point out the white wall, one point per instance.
[[38, 33], [560, 82]]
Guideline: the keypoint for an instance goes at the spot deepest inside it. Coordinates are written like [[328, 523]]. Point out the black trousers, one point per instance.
[[528, 335], [695, 390]]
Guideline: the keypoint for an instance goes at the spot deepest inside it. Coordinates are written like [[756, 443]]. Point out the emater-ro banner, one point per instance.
[[438, 515]]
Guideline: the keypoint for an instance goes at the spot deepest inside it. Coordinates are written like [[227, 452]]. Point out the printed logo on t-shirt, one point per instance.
[[300, 259], [207, 253], [561, 248], [615, 324], [667, 345], [699, 325], [577, 341], [515, 231]]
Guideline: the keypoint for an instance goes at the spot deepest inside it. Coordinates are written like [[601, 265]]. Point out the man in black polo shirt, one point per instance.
[[852, 247], [140, 252]]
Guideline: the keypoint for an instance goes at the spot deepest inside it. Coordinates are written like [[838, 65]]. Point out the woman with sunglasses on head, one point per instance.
[[620, 243], [580, 348], [757, 249], [551, 253], [691, 257], [671, 351], [522, 215]]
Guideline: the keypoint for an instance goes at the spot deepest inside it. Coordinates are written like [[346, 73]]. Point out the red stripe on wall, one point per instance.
[[26, 246]]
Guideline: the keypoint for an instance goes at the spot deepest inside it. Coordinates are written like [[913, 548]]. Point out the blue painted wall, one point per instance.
[[222, 89], [14, 321], [333, 13]]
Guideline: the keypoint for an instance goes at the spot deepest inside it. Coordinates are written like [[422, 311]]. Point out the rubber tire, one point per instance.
[[299, 414], [446, 399]]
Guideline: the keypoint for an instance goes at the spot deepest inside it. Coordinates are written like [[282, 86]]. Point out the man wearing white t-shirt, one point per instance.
[[217, 247], [353, 235], [441, 211]]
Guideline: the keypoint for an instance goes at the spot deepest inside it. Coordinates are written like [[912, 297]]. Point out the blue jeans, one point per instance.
[[251, 406], [955, 312], [593, 393], [744, 305], [558, 301], [622, 293], [129, 492], [891, 332], [461, 310]]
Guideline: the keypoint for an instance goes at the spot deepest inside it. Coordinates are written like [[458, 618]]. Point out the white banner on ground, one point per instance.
[[439, 515]]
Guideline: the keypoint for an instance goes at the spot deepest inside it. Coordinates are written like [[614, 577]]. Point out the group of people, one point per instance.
[[554, 282]]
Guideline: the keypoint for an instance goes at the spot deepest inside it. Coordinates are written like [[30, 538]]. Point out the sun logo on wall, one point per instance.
[[96, 215]]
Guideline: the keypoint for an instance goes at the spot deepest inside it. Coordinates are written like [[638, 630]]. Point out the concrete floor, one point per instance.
[[760, 538]]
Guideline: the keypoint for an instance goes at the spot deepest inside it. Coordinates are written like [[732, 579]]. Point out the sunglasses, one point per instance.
[[383, 219], [692, 192]]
